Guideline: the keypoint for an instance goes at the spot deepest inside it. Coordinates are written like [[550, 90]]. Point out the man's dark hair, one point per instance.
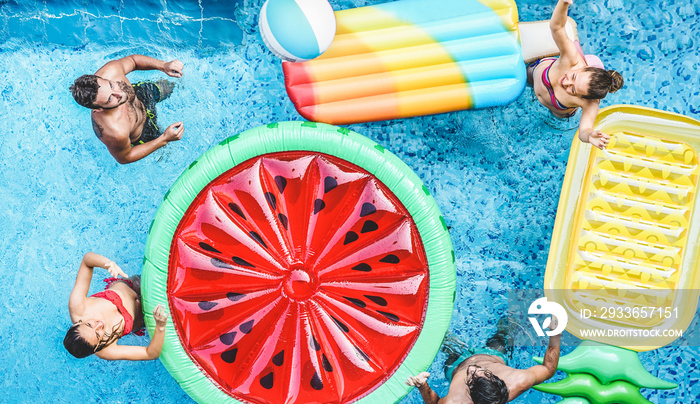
[[487, 389], [76, 344], [84, 90]]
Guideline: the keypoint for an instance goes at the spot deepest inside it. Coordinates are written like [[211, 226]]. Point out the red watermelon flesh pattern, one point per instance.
[[297, 277]]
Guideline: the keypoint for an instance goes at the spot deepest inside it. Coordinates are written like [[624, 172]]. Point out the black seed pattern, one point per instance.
[[220, 264], [247, 327], [207, 247], [377, 299], [283, 219], [237, 210], [361, 354], [329, 184], [230, 355], [319, 205], [340, 324], [281, 183], [369, 226], [350, 237], [326, 363], [234, 297], [278, 359], [391, 316], [255, 236], [271, 200], [362, 267], [356, 302], [314, 344], [242, 262], [228, 338], [316, 382], [206, 306], [367, 209], [390, 259], [267, 381]]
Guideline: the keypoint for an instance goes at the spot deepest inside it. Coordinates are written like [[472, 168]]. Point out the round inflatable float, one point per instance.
[[300, 262]]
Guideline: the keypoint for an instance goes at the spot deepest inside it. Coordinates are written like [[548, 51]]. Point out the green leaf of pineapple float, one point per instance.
[[602, 374]]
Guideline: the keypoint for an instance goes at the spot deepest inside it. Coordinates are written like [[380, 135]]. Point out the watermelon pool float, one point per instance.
[[300, 262]]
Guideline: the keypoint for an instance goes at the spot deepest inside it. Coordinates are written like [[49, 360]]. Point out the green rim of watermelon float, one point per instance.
[[300, 262]]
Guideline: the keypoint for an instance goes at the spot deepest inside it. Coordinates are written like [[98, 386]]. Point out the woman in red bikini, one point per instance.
[[101, 319], [571, 81]]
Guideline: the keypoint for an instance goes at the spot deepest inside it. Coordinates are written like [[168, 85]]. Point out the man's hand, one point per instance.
[[599, 139], [173, 68], [553, 323], [160, 316], [114, 270], [419, 380], [174, 132]]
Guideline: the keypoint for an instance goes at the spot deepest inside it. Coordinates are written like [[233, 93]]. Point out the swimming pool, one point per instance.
[[495, 173]]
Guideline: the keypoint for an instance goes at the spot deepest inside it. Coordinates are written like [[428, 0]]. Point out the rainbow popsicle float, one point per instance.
[[410, 58]]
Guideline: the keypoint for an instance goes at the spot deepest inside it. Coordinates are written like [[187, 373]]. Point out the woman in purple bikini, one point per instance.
[[101, 319], [573, 80]]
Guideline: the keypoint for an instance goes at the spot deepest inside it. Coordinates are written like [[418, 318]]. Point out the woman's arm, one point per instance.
[[76, 301], [557, 24], [586, 133], [140, 353]]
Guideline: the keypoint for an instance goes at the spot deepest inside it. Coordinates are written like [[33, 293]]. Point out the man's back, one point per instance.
[[481, 376]]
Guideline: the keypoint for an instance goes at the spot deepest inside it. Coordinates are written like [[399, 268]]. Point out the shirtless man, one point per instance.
[[123, 116], [484, 377]]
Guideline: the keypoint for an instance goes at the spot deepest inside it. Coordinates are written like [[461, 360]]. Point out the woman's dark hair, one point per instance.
[[78, 347], [84, 90], [76, 344], [602, 82], [487, 389]]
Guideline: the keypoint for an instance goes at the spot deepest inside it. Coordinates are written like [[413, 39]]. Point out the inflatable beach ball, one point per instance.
[[297, 30]]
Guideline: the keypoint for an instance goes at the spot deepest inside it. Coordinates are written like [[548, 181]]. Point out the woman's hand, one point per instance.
[[599, 139], [114, 270], [160, 316], [569, 2], [140, 353]]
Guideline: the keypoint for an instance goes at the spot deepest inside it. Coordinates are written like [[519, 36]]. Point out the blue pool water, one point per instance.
[[495, 173]]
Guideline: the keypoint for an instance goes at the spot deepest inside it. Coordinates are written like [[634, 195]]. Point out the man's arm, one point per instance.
[[125, 65], [428, 395], [421, 382], [521, 380], [551, 360], [120, 147], [524, 379]]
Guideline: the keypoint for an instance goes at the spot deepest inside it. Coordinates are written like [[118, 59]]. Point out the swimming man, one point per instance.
[[124, 116], [482, 376]]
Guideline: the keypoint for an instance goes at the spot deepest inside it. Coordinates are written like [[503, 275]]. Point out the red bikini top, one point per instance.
[[113, 297]]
